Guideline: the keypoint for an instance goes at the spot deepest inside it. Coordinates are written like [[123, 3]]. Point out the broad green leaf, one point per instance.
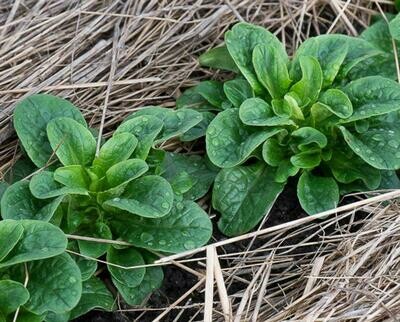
[[394, 27], [337, 102], [329, 50], [273, 153], [347, 167], [200, 173], [212, 92], [20, 170], [307, 159], [93, 248], [257, 112], [54, 284], [54, 317], [127, 257], [200, 129], [281, 108], [145, 128], [383, 63], [291, 100], [229, 142], [72, 142], [11, 232], [389, 180], [87, 266], [181, 183], [116, 149], [317, 194], [244, 195], [310, 84], [12, 296], [19, 203], [125, 171], [72, 176], [150, 196], [218, 58], [379, 146], [193, 100], [43, 186], [186, 227], [95, 295], [237, 91], [175, 123], [308, 137], [241, 41], [285, 170], [271, 69], [31, 116], [152, 280], [39, 240], [372, 96], [3, 188]]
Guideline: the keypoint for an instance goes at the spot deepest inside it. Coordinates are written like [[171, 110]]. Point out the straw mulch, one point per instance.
[[112, 57], [343, 268]]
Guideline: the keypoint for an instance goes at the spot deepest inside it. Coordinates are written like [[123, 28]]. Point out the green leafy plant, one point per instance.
[[309, 116], [126, 190]]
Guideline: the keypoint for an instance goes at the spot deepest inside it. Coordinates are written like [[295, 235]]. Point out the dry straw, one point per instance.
[[112, 57]]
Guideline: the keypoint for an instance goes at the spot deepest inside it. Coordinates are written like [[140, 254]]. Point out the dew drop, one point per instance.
[[72, 279], [215, 142], [146, 238], [393, 144], [116, 199], [162, 242], [165, 205], [179, 206], [189, 244]]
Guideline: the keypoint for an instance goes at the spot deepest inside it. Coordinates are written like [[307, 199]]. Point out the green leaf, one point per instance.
[[389, 180], [53, 317], [151, 281], [20, 170], [31, 116], [285, 170], [212, 92], [125, 171], [72, 176], [116, 149], [347, 167], [200, 129], [308, 137], [229, 142], [257, 112], [273, 153], [309, 86], [192, 99], [11, 232], [186, 227], [372, 96], [329, 50], [145, 128], [337, 102], [72, 142], [200, 174], [95, 295], [87, 266], [150, 196], [127, 257], [43, 186], [244, 195], [54, 284], [317, 194], [39, 240], [237, 91], [218, 58], [394, 27], [241, 41], [92, 248], [307, 159], [175, 123], [19, 203], [270, 67], [12, 296], [379, 146]]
